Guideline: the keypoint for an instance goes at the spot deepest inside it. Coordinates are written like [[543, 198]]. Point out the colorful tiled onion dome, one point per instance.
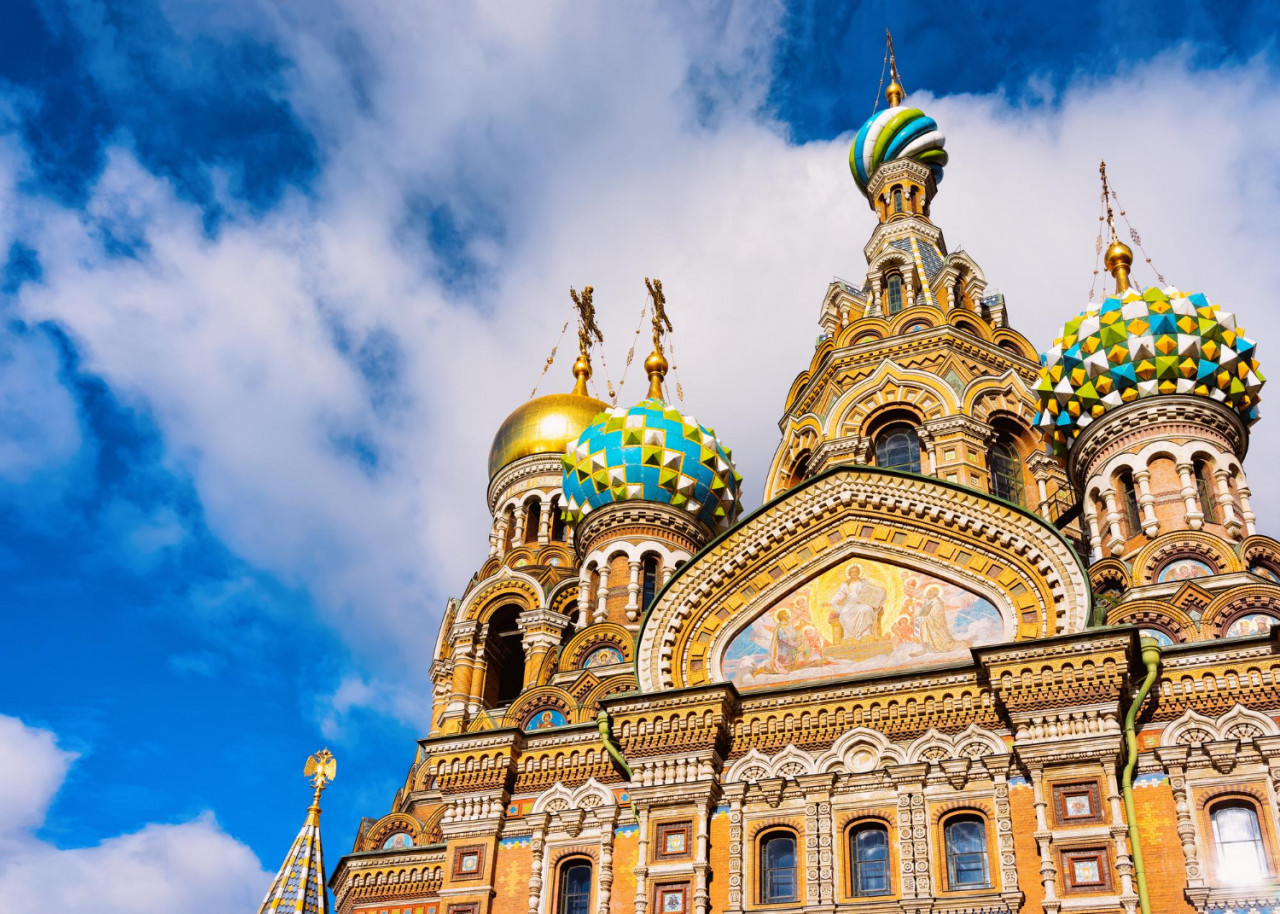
[[651, 452], [1144, 344], [897, 132]]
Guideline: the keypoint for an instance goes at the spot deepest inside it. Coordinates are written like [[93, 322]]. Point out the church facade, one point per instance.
[[1001, 637]]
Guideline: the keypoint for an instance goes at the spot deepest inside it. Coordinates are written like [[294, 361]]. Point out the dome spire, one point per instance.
[[588, 333], [655, 365], [1119, 257], [894, 94], [300, 883]]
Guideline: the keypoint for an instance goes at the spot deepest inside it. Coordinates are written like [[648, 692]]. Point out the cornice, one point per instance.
[[531, 467], [600, 525]]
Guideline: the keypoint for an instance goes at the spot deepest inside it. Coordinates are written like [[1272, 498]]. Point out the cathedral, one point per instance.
[[1000, 638]]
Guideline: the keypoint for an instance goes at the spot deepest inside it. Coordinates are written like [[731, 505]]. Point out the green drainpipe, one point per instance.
[[611, 745], [1151, 660]]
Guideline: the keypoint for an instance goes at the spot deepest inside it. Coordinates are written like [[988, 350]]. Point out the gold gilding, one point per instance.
[[544, 425], [1119, 259]]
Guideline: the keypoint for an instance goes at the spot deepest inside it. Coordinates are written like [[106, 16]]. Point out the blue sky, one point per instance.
[[274, 272]]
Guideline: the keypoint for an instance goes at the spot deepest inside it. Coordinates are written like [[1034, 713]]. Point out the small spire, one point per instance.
[[895, 93], [588, 333], [1119, 256], [300, 883], [655, 365]]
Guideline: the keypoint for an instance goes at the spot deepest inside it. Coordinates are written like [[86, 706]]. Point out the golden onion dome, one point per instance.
[[545, 425]]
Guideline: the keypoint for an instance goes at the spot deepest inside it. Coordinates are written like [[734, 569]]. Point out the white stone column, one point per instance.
[[504, 524], [517, 538], [1146, 502], [606, 817], [1113, 521], [1044, 840], [1246, 511], [544, 523], [1195, 517], [642, 864], [1120, 830], [734, 793], [1091, 526], [876, 309], [537, 864], [1174, 760], [602, 594], [584, 596], [1230, 520], [633, 591]]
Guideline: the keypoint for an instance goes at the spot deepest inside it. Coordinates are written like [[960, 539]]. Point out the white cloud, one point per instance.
[[573, 135], [192, 867]]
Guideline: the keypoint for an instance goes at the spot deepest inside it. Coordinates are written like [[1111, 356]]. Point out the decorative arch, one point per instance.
[[860, 749], [378, 833], [1012, 558], [890, 385], [1158, 614], [1195, 729], [590, 795], [509, 586], [987, 397], [594, 637], [854, 331], [1229, 606], [973, 742], [1189, 543], [614, 685], [536, 700]]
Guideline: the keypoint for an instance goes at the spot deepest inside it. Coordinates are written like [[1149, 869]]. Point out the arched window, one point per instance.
[[1204, 489], [778, 868], [898, 448], [1237, 840], [509, 536], [1128, 502], [958, 292], [966, 845], [894, 283], [869, 860], [1006, 471], [897, 199], [504, 657], [575, 888], [648, 580], [532, 520], [559, 532]]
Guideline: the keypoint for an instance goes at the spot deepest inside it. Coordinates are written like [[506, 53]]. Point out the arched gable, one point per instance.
[[934, 533]]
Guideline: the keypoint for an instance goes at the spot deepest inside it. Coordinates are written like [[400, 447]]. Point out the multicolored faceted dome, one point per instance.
[[897, 133], [1144, 344], [651, 452]]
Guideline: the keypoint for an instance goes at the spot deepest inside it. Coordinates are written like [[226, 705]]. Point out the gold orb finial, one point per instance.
[[895, 93], [656, 368], [581, 374]]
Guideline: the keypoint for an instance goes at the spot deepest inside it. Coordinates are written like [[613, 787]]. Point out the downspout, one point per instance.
[[615, 751], [1151, 660]]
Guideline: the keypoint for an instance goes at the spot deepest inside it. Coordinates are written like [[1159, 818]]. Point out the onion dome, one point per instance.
[[545, 425], [897, 132], [1143, 344], [652, 452]]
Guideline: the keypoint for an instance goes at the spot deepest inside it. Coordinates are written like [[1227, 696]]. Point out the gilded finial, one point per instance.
[[1119, 256], [895, 93], [588, 333], [321, 768], [655, 365]]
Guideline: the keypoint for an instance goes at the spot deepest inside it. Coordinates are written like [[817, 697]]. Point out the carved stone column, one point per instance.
[[1195, 517], [518, 538], [602, 595], [735, 793], [504, 524], [542, 631], [998, 770], [607, 816], [1120, 835], [702, 858], [1230, 520], [633, 590], [1246, 510], [1146, 503], [1091, 526], [544, 524], [1113, 521], [819, 859], [642, 864], [1174, 760], [913, 833], [537, 862], [584, 596], [1044, 840]]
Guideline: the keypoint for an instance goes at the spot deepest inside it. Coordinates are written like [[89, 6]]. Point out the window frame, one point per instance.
[[1221, 854], [563, 869], [890, 430], [764, 871], [889, 289], [851, 833], [966, 817], [1012, 473]]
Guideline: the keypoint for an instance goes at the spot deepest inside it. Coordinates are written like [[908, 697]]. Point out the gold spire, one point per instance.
[[588, 332], [300, 883], [1119, 256], [895, 93], [655, 366]]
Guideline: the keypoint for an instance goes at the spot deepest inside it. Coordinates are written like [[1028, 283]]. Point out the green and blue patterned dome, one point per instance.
[[1144, 344], [651, 452], [897, 132]]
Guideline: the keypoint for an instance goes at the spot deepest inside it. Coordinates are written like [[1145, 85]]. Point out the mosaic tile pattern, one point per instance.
[[1144, 344], [299, 885], [651, 452]]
